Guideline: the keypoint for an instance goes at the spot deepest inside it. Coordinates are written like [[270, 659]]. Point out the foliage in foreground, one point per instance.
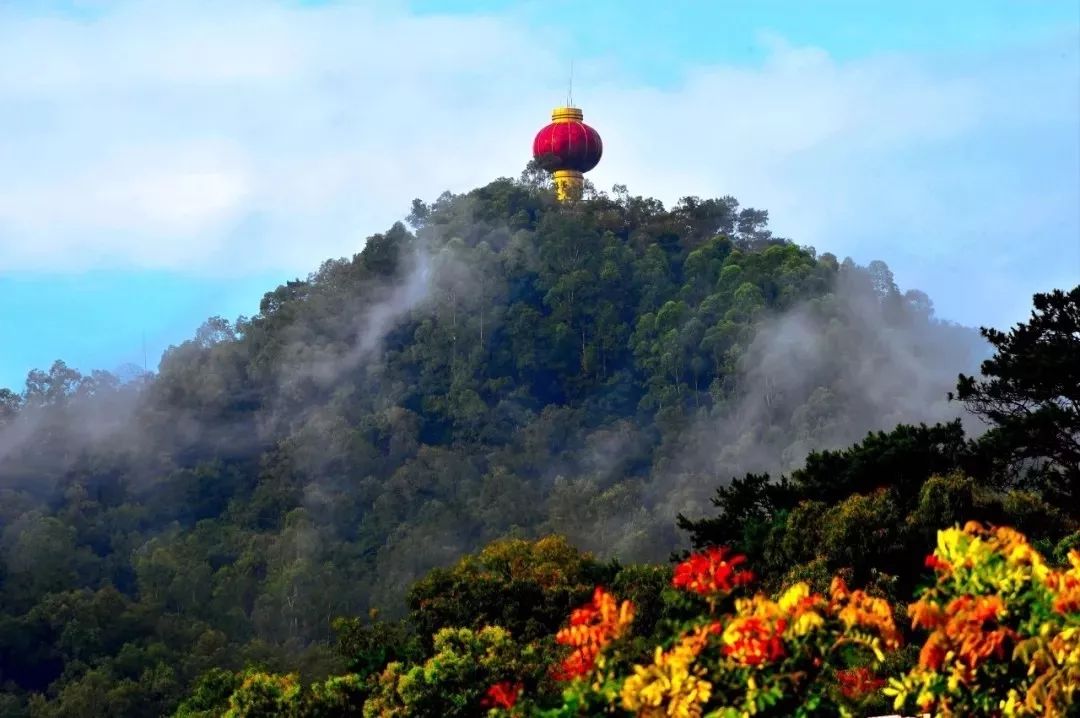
[[998, 634], [1004, 629]]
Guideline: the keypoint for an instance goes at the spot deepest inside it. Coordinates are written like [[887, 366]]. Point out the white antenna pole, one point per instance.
[[570, 93]]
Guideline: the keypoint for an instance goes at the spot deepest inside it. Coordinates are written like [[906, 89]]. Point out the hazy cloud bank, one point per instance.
[[243, 137]]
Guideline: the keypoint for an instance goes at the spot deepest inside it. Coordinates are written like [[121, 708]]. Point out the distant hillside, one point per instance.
[[503, 365]]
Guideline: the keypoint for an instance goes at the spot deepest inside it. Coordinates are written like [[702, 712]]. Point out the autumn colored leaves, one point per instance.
[[1004, 629], [592, 627], [1003, 639]]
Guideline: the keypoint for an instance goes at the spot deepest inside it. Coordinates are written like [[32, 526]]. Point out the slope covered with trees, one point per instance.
[[994, 615], [505, 365]]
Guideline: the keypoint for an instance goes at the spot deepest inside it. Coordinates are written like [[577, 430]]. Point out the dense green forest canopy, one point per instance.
[[503, 365], [489, 635]]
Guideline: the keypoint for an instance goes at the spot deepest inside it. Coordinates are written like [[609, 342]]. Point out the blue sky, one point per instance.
[[164, 162]]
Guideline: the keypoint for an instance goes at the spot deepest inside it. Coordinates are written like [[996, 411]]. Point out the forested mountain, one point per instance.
[[503, 365]]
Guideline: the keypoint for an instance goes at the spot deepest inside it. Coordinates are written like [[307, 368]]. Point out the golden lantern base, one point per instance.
[[568, 184]]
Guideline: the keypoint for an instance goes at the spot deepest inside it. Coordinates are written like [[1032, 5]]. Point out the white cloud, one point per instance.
[[242, 136], [180, 137], [962, 173]]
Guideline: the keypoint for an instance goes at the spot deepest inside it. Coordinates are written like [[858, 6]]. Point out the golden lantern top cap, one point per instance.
[[566, 114]]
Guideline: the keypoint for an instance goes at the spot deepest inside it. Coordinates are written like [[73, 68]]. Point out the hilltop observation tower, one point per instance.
[[567, 148]]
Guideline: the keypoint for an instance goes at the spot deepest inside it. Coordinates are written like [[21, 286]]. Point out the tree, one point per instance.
[[453, 681], [1030, 393], [903, 458], [9, 406], [382, 252], [523, 586], [52, 387]]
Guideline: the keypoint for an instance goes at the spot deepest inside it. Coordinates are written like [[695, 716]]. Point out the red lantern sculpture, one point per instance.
[[567, 148]]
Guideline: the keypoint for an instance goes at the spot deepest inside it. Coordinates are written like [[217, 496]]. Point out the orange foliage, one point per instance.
[[857, 608], [1066, 586], [592, 627], [970, 630]]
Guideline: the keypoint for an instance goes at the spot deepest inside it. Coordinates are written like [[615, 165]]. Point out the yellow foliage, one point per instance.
[[672, 686]]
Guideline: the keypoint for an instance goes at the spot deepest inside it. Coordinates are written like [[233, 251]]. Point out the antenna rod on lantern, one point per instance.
[[570, 91]]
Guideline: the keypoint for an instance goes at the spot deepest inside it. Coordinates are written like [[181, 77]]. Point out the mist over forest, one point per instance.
[[498, 365]]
